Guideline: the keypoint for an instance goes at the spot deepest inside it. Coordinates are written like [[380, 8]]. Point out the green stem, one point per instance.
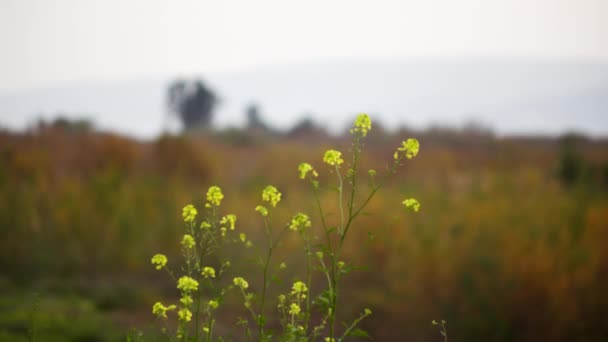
[[265, 279], [340, 187]]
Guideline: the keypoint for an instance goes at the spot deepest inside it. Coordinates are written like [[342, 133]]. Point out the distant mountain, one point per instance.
[[512, 96]]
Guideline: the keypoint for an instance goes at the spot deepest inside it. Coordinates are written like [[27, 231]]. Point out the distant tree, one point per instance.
[[306, 127], [254, 118], [571, 166], [192, 102]]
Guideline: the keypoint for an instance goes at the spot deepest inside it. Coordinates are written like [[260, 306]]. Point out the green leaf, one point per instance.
[[359, 333]]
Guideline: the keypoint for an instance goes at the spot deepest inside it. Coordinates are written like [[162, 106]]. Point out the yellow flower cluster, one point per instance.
[[160, 310], [305, 168], [186, 300], [299, 289], [362, 124], [188, 241], [271, 194], [187, 284], [160, 260], [208, 272], [213, 304], [333, 158], [294, 309], [412, 203], [189, 213], [230, 220], [409, 148], [240, 282], [299, 221], [184, 315], [262, 210], [214, 196]]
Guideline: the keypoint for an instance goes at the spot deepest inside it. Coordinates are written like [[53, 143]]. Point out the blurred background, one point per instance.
[[115, 114]]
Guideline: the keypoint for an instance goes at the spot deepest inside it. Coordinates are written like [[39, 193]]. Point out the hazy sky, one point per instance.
[[48, 42]]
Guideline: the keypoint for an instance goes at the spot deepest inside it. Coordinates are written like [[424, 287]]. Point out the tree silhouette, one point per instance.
[[192, 102]]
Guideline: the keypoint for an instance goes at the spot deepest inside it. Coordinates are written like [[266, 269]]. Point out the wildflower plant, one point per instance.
[[324, 256]]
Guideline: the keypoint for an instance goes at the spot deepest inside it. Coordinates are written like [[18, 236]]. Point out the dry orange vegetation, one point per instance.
[[502, 248]]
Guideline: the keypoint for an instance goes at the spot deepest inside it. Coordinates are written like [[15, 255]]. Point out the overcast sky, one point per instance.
[[47, 42]]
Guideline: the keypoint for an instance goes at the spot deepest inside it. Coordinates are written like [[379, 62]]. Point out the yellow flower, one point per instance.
[[240, 282], [229, 219], [184, 315], [186, 300], [208, 272], [333, 158], [160, 260], [294, 309], [362, 124], [272, 195], [412, 203], [214, 195], [160, 310], [305, 168], [262, 210], [410, 148], [187, 284], [213, 304], [299, 221], [298, 288], [188, 241], [189, 213]]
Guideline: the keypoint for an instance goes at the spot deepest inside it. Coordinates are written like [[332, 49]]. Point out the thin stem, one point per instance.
[[265, 280], [340, 188], [352, 326]]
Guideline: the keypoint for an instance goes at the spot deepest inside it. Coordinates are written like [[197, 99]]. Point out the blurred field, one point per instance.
[[510, 243]]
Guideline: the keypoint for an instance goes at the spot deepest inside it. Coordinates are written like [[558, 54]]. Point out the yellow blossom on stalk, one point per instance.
[[412, 203], [160, 260], [229, 219], [298, 288], [187, 284], [294, 309], [205, 225], [240, 282], [184, 315], [271, 194], [333, 158], [213, 304], [410, 148], [330, 339], [281, 300], [188, 241], [214, 195], [262, 210], [189, 213], [242, 237], [362, 124], [160, 310], [186, 300], [208, 272], [299, 221], [305, 168], [319, 254]]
